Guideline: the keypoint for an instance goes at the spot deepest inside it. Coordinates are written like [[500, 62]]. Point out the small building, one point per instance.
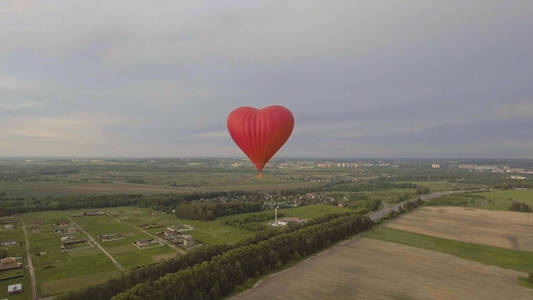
[[8, 243], [88, 213], [188, 242], [435, 166], [142, 243], [9, 227], [10, 263], [285, 221], [14, 289]]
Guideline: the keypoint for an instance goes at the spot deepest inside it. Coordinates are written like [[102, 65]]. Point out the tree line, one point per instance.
[[150, 273], [218, 277], [519, 206], [164, 202], [209, 211], [252, 222]]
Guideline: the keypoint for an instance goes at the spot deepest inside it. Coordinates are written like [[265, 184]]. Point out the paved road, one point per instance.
[[30, 264], [380, 214], [179, 250], [119, 266]]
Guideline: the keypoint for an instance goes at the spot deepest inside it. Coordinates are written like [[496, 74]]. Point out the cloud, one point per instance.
[[363, 78]]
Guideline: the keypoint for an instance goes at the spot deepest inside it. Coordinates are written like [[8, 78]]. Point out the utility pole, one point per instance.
[[276, 215]]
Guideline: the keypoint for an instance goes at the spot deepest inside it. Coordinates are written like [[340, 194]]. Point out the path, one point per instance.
[[119, 266], [30, 263], [179, 250], [380, 214]]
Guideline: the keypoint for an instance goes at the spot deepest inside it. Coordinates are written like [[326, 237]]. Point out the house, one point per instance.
[[142, 243], [188, 242], [435, 166], [8, 243], [10, 263], [146, 243], [285, 221], [66, 238], [14, 289], [8, 227]]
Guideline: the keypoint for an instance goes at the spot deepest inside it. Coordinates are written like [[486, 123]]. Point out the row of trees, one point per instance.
[[165, 202], [217, 278], [252, 222], [519, 206], [150, 273], [213, 210]]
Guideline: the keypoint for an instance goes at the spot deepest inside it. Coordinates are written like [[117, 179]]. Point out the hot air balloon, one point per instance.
[[260, 133]]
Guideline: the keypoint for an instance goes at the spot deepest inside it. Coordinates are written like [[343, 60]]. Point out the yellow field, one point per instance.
[[372, 269], [504, 229]]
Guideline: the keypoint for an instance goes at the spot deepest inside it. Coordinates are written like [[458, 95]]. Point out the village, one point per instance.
[[12, 267]]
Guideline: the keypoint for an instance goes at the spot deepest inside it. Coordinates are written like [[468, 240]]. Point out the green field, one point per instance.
[[502, 257], [441, 186], [493, 200], [503, 198], [58, 271]]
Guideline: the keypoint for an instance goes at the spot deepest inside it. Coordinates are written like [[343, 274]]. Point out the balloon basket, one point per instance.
[[260, 175]]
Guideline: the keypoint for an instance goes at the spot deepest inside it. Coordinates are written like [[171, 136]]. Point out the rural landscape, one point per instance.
[[245, 150], [408, 221]]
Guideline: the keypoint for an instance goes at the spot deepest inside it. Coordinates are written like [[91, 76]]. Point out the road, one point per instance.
[[382, 213], [179, 250], [119, 266], [30, 264]]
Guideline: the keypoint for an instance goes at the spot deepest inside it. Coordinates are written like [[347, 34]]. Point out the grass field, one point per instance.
[[79, 267], [364, 268], [513, 230], [492, 200], [441, 186], [123, 250], [503, 198], [210, 232], [153, 182], [502, 257]]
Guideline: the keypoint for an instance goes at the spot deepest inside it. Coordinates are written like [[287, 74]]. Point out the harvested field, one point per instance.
[[504, 229], [372, 269]]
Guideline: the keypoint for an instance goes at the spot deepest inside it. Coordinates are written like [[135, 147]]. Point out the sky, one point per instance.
[[395, 78]]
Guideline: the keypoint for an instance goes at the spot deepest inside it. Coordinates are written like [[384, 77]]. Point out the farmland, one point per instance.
[[430, 253], [356, 270], [59, 271], [493, 200], [497, 228]]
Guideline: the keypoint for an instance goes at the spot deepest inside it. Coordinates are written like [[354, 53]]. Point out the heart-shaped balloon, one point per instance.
[[260, 133]]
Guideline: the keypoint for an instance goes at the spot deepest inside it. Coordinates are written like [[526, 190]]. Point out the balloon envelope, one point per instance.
[[260, 133]]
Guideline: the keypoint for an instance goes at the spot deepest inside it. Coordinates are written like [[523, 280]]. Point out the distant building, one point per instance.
[[89, 213], [517, 177], [435, 166]]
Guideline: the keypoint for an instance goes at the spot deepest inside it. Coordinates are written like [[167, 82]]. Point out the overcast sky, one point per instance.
[[362, 78]]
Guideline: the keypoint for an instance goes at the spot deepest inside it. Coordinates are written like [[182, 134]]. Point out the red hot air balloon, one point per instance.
[[260, 133]]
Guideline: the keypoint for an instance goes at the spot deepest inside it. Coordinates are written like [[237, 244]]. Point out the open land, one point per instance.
[[364, 268], [462, 253], [59, 271], [505, 229]]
